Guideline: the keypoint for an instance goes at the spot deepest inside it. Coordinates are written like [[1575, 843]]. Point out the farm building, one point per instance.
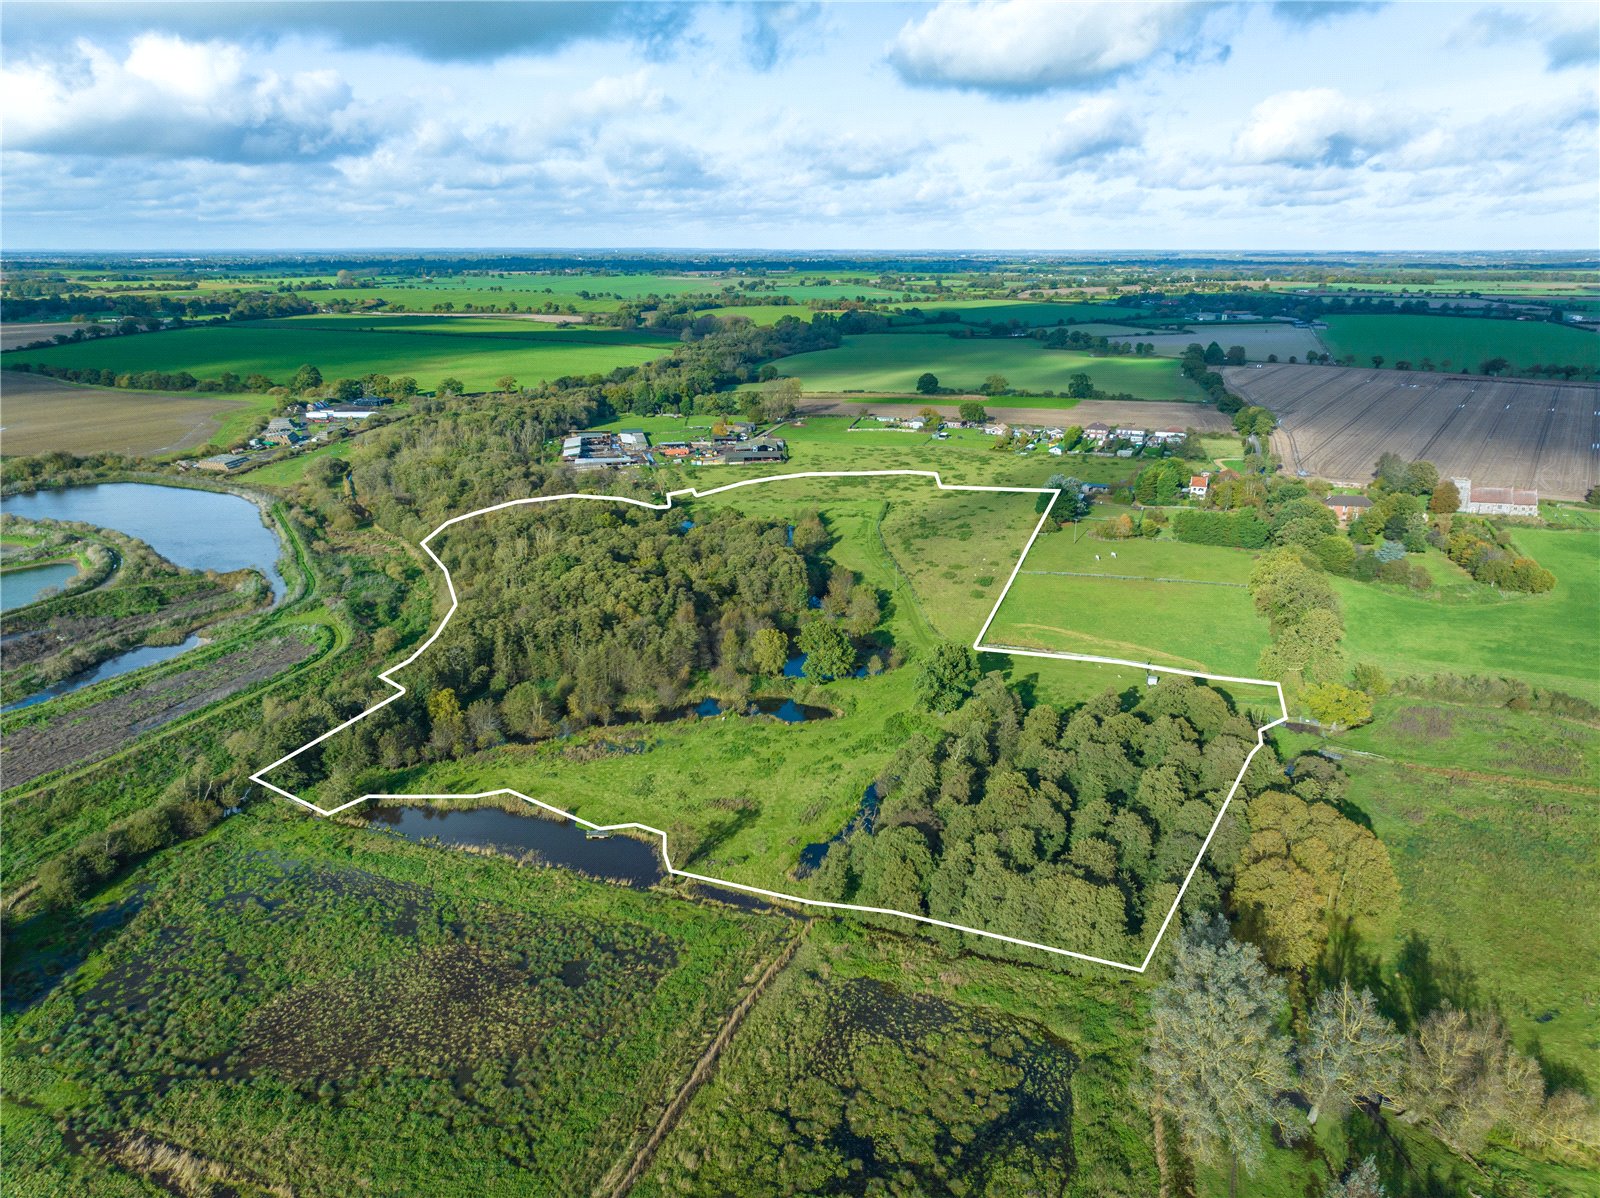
[[594, 451], [1171, 433], [222, 463], [1496, 501], [1348, 507], [322, 413], [768, 449]]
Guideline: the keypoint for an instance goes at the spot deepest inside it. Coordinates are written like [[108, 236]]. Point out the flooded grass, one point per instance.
[[415, 1021]]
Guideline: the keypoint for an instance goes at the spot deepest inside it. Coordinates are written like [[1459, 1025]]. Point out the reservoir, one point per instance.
[[203, 530], [21, 587]]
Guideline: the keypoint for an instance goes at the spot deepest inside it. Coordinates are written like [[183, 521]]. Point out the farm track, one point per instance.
[[704, 1067], [1336, 423]]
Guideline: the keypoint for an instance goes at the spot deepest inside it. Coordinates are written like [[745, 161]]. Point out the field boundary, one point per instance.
[[978, 644]]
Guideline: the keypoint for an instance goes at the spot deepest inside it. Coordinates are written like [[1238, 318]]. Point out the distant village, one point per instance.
[[738, 445]]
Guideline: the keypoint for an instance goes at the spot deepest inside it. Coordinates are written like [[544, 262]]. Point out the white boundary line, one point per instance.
[[978, 644]]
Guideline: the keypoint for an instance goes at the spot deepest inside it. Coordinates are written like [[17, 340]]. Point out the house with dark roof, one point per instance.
[[1348, 507]]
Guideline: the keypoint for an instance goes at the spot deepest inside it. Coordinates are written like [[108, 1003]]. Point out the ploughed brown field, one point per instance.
[[1143, 413], [1334, 423], [39, 414]]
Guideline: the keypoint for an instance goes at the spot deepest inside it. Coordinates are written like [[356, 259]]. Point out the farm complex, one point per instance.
[[1334, 423]]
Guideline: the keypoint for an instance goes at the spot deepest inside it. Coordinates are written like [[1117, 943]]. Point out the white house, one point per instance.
[[1496, 501]]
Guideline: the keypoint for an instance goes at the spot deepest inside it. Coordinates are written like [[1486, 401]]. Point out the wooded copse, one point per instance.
[[580, 613]]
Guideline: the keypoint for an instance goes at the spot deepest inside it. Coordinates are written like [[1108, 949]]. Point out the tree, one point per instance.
[[1235, 355], [1362, 1182], [1493, 366], [451, 386], [972, 411], [995, 384], [1446, 498], [307, 378], [405, 387], [947, 676], [506, 384], [1421, 477], [1462, 1076], [347, 390], [1215, 355], [1217, 1061], [1071, 503], [1377, 361], [1305, 864], [447, 723], [931, 418], [769, 649], [829, 653], [1080, 386], [1351, 1051], [1338, 707], [526, 711], [927, 383]]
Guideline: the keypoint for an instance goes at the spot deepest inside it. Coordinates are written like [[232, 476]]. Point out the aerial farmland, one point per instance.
[[1335, 423]]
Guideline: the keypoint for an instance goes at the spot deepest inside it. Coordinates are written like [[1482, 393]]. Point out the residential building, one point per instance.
[[1199, 486], [1348, 507]]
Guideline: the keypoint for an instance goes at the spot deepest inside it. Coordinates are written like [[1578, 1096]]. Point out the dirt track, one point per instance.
[[1335, 423], [1150, 414]]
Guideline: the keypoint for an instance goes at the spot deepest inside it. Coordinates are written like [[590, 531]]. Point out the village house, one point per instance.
[[1199, 486], [1167, 435], [1122, 433], [1096, 432], [1348, 507], [1496, 501]]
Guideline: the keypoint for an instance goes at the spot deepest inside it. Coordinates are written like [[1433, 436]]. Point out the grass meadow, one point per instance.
[[1550, 640], [893, 363], [1464, 341], [1069, 598], [427, 348]]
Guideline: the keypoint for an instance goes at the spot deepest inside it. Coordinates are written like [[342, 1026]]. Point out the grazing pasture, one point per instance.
[[1550, 640], [1036, 313], [1460, 342], [427, 348], [1335, 423], [1036, 411], [892, 364], [1064, 599], [43, 415]]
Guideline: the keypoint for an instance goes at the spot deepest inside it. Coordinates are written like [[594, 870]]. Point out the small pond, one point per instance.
[[122, 663], [555, 841], [22, 586], [815, 853], [203, 530]]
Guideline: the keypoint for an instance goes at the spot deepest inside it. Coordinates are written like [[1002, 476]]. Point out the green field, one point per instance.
[[428, 349], [893, 363], [1550, 640], [1039, 313], [1462, 341], [1505, 876], [1053, 606], [291, 470]]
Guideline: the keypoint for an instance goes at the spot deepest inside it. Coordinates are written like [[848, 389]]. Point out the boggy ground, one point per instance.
[[409, 1019]]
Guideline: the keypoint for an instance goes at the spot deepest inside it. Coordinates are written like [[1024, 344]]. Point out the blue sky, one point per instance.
[[995, 124]]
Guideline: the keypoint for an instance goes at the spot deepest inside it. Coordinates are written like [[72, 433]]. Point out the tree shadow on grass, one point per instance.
[[1419, 981]]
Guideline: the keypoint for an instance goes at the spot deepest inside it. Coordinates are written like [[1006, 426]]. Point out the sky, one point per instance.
[[961, 124]]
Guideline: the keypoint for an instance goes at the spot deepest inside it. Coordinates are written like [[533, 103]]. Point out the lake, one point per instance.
[[202, 530], [21, 587]]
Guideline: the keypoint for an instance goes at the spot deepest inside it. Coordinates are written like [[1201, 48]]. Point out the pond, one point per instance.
[[21, 587], [555, 841], [815, 853], [203, 530], [122, 663]]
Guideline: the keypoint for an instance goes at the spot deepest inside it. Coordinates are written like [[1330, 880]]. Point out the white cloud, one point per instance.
[[1569, 33], [170, 98], [1097, 125], [1021, 46], [1317, 126]]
